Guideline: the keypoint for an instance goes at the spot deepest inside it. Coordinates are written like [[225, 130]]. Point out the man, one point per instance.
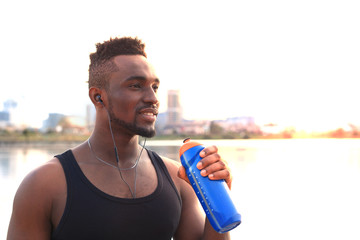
[[108, 187]]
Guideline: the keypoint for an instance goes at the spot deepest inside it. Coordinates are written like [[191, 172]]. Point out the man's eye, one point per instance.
[[155, 88], [135, 86]]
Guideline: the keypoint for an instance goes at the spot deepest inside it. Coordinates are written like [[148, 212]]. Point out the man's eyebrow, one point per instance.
[[141, 78]]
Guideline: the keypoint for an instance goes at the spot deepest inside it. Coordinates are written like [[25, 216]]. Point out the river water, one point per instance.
[[284, 189]]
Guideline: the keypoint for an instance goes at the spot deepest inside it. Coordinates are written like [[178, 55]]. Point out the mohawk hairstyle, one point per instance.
[[101, 64]]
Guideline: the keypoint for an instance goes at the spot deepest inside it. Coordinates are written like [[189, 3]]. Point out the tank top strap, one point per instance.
[[66, 160], [156, 159]]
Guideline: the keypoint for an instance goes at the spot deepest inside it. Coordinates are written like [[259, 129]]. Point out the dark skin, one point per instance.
[[131, 98]]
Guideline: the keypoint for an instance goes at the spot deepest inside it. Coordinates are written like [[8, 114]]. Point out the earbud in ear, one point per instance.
[[98, 98]]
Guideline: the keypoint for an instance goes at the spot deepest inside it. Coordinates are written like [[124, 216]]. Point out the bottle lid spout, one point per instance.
[[187, 145]]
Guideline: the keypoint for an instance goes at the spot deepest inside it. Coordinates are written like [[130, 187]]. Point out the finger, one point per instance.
[[223, 174], [208, 160], [208, 150], [215, 167]]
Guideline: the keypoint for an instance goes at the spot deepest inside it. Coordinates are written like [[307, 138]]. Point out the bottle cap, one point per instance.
[[187, 145]]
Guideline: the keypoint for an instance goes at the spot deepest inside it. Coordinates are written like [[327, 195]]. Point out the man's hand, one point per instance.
[[211, 166]]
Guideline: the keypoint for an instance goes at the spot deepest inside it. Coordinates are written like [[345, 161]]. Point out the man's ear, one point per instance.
[[97, 96]]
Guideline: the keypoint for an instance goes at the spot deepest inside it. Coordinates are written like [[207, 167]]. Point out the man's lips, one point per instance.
[[149, 113]]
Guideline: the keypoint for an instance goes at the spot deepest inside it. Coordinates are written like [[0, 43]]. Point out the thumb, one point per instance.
[[182, 174]]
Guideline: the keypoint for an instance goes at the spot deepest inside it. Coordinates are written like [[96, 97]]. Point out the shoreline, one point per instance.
[[38, 140], [40, 143]]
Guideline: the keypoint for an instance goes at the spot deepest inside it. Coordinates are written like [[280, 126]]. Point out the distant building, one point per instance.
[[73, 125], [175, 124], [160, 123], [174, 109], [271, 128], [4, 119], [239, 124], [10, 106], [52, 122], [195, 127], [67, 124], [4, 116]]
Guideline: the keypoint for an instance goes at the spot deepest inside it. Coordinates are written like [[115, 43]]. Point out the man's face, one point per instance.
[[132, 93]]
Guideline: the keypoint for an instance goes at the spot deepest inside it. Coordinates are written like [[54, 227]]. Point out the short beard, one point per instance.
[[132, 127]]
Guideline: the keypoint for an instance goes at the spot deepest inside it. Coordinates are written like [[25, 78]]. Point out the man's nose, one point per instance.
[[151, 97]]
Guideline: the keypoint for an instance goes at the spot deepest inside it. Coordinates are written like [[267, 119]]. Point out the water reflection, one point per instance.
[[5, 163], [290, 189], [18, 159]]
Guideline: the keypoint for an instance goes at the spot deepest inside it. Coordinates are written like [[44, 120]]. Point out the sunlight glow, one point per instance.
[[292, 63]]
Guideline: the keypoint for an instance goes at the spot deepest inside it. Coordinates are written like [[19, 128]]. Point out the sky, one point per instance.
[[293, 63]]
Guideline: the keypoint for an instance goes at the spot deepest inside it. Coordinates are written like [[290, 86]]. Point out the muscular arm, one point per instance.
[[33, 203], [193, 224]]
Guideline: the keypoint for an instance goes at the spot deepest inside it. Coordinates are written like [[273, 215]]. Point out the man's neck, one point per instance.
[[103, 146]]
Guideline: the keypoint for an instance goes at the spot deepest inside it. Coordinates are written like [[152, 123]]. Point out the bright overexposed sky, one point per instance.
[[287, 62]]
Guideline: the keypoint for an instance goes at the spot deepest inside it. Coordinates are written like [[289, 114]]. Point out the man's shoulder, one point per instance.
[[34, 201], [48, 170], [171, 164], [43, 181]]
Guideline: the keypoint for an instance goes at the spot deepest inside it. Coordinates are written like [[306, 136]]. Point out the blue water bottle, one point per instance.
[[213, 194]]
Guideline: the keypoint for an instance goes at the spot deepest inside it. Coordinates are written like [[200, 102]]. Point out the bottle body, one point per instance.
[[214, 195]]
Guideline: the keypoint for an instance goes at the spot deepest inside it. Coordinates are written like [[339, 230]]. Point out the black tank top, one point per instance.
[[92, 214]]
